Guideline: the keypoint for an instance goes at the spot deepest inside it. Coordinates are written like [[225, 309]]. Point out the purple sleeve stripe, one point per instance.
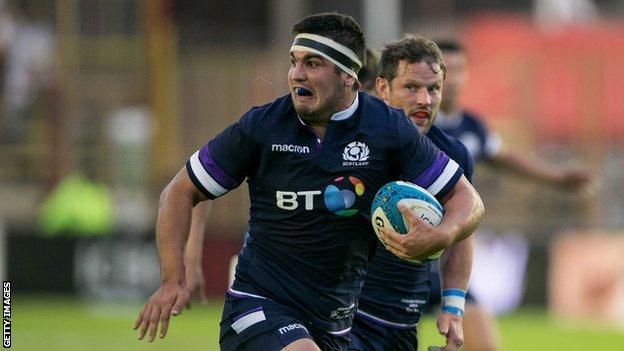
[[432, 173], [451, 169], [197, 182], [215, 171], [449, 184], [198, 171]]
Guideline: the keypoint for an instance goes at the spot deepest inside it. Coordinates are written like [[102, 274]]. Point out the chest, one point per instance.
[[340, 173]]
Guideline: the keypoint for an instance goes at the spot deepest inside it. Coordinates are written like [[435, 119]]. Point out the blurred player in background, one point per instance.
[[300, 273], [411, 75], [486, 147]]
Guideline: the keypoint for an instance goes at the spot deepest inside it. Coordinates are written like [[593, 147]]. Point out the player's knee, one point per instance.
[[302, 345]]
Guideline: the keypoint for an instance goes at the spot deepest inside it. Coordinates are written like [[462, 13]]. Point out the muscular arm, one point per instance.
[[172, 228], [173, 225], [463, 211]]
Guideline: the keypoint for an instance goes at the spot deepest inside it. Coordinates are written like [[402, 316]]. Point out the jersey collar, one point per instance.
[[344, 114]]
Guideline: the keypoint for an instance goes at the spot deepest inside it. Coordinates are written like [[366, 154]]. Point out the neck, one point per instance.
[[343, 108], [323, 117]]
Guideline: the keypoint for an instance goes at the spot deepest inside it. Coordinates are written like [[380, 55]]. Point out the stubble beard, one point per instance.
[[322, 114]]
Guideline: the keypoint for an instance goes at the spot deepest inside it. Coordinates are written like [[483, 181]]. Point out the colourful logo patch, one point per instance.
[[341, 195]]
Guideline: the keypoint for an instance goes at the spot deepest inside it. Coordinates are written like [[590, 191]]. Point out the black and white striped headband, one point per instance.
[[337, 53]]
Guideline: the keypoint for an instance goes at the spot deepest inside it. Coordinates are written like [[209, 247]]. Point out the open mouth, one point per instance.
[[303, 92], [420, 115]]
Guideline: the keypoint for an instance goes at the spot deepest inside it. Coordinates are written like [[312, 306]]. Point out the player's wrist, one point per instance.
[[446, 235], [174, 277], [454, 301]]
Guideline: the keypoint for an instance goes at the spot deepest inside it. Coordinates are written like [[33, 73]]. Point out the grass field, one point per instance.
[[64, 324]]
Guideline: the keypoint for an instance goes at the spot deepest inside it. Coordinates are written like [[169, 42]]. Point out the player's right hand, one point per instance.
[[167, 301], [421, 241]]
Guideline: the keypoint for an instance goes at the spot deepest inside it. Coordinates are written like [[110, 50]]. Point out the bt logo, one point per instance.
[[339, 197], [288, 199]]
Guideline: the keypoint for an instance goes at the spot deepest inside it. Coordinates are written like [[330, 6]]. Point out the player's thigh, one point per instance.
[[302, 345], [259, 324]]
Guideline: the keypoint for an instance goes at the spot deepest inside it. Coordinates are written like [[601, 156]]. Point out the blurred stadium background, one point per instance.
[[102, 101]]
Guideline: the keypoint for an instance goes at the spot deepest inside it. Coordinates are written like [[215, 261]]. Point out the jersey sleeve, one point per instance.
[[424, 164], [225, 161], [467, 162]]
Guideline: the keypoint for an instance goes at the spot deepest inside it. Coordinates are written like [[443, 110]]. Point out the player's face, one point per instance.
[[456, 76], [416, 89], [317, 90]]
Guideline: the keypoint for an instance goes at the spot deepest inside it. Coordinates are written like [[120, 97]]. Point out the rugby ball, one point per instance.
[[384, 211]]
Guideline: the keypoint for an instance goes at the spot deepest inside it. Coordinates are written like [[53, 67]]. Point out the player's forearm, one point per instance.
[[195, 243], [172, 227], [456, 265], [463, 211]]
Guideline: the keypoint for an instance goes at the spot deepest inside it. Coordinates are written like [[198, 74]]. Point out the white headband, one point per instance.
[[337, 53]]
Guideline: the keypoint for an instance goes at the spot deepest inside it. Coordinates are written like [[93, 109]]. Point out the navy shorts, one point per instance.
[[369, 336], [251, 324]]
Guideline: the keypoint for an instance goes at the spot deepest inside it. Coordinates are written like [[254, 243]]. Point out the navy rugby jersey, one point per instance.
[[472, 132], [395, 290], [309, 228]]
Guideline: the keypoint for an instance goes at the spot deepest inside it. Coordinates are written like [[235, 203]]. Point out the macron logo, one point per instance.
[[290, 148], [291, 327]]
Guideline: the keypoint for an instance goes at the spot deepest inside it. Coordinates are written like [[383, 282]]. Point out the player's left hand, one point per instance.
[[421, 241], [450, 326]]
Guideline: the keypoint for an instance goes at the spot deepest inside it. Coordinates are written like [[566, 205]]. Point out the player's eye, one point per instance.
[[433, 89], [313, 63]]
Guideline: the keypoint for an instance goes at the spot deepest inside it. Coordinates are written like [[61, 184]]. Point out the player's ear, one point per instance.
[[383, 88], [349, 80]]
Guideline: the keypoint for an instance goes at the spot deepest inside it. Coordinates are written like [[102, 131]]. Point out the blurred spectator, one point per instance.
[[29, 68]]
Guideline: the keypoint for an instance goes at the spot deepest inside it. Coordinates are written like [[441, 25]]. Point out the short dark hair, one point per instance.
[[450, 45], [337, 27], [368, 73], [412, 48]]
